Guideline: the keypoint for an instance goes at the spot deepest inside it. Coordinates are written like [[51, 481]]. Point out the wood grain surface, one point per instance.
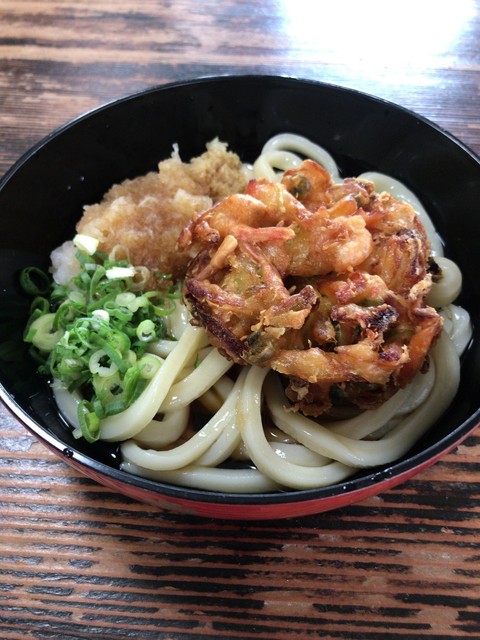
[[78, 561]]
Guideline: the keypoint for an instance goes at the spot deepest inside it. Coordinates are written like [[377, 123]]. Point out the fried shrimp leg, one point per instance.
[[324, 283]]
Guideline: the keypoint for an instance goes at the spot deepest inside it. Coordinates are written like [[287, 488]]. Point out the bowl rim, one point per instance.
[[228, 77], [377, 477], [397, 469]]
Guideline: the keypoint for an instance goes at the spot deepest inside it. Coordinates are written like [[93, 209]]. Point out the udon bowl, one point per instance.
[[42, 196]]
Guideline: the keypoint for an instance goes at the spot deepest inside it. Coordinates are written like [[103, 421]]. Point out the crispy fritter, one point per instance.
[[325, 283]]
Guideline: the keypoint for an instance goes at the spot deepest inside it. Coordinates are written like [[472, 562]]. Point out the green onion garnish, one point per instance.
[[93, 333], [89, 421], [34, 281]]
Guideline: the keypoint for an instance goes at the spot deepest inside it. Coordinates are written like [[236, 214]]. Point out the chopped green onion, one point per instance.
[[133, 385], [65, 314], [76, 296], [146, 331], [39, 307], [34, 281], [125, 299], [149, 365], [41, 304], [120, 272], [101, 314], [89, 421], [96, 367], [42, 333], [92, 333], [85, 243]]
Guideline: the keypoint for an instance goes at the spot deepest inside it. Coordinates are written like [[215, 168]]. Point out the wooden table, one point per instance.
[[76, 560]]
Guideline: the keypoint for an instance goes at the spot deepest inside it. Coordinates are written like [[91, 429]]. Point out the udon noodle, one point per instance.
[[233, 451]]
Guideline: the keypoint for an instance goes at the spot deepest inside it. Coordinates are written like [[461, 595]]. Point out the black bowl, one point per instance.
[[42, 195]]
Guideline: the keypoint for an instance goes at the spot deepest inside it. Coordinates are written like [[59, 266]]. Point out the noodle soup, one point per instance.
[[261, 434]]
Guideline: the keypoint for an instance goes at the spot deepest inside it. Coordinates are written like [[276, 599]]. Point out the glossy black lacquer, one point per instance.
[[42, 196]]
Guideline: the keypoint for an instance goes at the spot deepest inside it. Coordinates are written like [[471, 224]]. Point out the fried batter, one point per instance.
[[324, 283], [146, 214]]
